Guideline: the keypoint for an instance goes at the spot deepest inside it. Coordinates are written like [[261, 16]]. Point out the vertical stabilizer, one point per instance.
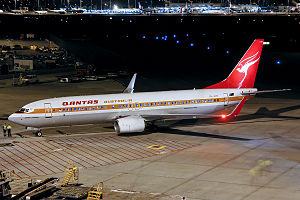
[[244, 73]]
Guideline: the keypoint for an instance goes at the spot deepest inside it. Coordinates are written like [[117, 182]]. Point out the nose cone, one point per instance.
[[12, 118]]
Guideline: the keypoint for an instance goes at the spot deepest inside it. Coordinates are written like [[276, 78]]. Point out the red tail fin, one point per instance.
[[244, 73]]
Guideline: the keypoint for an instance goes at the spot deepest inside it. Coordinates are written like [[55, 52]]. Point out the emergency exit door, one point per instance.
[[48, 110]]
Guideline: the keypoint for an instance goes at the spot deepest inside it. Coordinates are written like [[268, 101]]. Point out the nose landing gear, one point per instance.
[[39, 133]]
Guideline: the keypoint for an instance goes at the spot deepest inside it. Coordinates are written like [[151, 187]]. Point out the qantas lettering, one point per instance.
[[73, 103]]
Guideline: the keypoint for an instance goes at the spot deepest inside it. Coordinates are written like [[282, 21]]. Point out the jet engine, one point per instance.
[[130, 125]]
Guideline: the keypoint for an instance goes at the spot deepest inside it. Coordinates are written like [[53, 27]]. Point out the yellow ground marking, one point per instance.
[[156, 147], [261, 164]]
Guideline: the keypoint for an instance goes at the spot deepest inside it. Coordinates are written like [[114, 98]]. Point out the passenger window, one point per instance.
[[101, 107], [105, 107], [94, 108], [86, 108], [98, 107], [64, 109], [53, 110], [141, 105], [59, 110], [71, 109]]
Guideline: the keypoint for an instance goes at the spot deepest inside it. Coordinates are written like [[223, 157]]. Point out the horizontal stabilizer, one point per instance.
[[264, 91]]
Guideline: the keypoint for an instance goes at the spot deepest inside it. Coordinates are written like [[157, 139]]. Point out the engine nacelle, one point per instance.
[[130, 125]]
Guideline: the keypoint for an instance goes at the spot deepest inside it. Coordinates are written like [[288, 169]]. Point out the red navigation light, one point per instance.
[[223, 116]]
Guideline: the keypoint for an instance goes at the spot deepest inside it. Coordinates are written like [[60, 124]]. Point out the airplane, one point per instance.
[[134, 112]]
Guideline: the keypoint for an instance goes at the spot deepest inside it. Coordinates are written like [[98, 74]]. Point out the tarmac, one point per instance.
[[255, 156]]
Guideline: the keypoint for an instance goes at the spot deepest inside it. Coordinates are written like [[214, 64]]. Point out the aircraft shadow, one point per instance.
[[207, 135]]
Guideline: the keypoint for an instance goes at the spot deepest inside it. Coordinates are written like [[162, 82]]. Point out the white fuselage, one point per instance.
[[93, 109]]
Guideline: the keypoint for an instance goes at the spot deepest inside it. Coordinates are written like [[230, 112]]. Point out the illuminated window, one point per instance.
[[86, 108], [126, 105], [82, 108], [105, 107], [151, 104], [94, 108], [186, 102], [113, 106], [172, 102], [145, 104], [53, 110], [101, 107], [98, 107], [141, 105], [120, 106], [137, 105], [175, 102], [169, 103], [64, 109], [67, 109], [90, 108], [71, 109], [179, 102], [192, 101], [130, 105], [182, 102]]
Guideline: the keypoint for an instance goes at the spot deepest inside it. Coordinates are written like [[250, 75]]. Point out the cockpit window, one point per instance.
[[23, 110]]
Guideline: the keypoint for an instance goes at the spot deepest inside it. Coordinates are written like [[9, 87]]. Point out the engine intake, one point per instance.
[[130, 125]]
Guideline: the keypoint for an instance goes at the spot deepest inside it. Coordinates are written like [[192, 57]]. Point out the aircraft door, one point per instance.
[[48, 110], [226, 99]]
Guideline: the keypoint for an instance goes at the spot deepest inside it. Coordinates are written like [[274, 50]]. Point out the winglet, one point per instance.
[[237, 109], [130, 87]]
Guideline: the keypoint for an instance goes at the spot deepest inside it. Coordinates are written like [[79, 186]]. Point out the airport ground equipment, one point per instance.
[[25, 80], [96, 194], [71, 173], [5, 179], [34, 188]]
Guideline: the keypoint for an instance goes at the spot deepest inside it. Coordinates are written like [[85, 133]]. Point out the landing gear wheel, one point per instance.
[[39, 133]]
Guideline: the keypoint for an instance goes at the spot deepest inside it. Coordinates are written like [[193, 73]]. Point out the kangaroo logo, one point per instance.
[[245, 64]]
